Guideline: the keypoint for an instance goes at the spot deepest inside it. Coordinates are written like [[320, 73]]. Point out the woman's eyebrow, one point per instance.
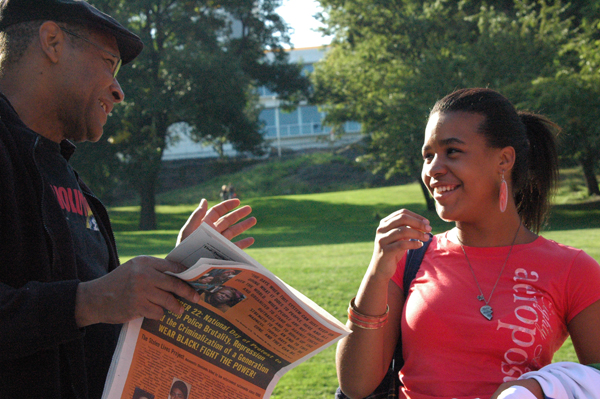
[[444, 143], [451, 140]]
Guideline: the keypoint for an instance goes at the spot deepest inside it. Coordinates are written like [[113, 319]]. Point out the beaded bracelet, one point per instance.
[[364, 321]]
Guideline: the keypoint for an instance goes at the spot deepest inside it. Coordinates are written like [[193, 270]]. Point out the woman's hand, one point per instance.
[[397, 233]]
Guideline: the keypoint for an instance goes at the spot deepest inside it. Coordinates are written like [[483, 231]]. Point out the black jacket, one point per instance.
[[42, 354]]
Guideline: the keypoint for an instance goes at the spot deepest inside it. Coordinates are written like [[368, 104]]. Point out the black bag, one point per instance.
[[388, 388]]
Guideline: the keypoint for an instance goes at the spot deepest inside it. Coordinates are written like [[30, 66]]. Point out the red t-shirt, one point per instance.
[[452, 351]]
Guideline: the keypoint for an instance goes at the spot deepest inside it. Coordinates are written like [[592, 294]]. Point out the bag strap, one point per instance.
[[414, 257]]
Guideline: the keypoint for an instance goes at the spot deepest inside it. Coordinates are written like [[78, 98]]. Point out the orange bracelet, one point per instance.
[[367, 326], [365, 321]]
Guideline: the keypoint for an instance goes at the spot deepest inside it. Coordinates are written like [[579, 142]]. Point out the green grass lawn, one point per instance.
[[321, 244]]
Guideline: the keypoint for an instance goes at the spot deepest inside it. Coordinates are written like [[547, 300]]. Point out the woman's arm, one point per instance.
[[585, 334], [363, 357]]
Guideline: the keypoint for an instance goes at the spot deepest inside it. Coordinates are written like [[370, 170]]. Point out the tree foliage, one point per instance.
[[391, 60], [572, 98], [201, 62]]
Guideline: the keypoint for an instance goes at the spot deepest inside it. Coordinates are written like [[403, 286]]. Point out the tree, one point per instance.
[[200, 62], [391, 60], [572, 99]]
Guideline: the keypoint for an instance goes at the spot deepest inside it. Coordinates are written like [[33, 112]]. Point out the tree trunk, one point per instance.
[[148, 202], [588, 163], [428, 200]]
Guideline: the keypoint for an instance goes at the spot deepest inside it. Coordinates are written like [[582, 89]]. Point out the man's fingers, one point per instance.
[[164, 296], [152, 311], [174, 285], [222, 217], [245, 242], [159, 287], [221, 209], [193, 221], [162, 301], [232, 218], [238, 228], [161, 265]]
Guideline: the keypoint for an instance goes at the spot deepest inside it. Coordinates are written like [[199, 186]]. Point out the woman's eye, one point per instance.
[[451, 151]]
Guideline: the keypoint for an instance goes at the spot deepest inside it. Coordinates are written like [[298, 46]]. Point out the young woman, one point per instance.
[[492, 300]]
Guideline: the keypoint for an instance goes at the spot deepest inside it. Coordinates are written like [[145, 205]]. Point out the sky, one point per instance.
[[299, 15]]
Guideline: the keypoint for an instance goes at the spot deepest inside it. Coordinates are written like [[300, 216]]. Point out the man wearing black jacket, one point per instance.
[[63, 294]]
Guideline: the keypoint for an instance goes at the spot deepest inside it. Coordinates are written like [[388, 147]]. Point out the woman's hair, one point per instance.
[[535, 171]]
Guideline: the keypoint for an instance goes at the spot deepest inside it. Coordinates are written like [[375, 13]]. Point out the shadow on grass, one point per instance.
[[289, 222], [585, 215], [282, 222]]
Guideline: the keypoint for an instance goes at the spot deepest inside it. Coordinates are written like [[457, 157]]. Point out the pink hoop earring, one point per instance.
[[503, 194]]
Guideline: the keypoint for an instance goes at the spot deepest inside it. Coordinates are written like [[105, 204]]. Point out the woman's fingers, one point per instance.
[[401, 219]]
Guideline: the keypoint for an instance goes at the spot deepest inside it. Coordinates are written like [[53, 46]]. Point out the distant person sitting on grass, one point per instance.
[[223, 194], [492, 301], [231, 191]]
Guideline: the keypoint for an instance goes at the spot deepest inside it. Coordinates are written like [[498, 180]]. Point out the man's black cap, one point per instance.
[[75, 11]]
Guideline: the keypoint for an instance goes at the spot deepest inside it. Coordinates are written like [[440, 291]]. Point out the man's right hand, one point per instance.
[[137, 288]]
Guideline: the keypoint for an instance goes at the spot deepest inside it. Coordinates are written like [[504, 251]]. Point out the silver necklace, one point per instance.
[[486, 310]]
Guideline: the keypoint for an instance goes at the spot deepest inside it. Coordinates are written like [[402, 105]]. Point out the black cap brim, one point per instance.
[[74, 11]]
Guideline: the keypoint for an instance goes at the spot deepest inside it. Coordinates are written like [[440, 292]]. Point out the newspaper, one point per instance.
[[248, 329]]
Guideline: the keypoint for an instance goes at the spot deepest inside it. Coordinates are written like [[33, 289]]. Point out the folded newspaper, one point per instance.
[[248, 329]]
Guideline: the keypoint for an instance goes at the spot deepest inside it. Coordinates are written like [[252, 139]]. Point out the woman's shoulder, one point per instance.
[[557, 249]]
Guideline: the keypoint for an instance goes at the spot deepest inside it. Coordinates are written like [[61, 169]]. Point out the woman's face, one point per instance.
[[176, 393], [222, 296], [461, 172]]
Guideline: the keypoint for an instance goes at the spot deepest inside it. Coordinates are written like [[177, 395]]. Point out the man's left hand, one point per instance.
[[223, 218]]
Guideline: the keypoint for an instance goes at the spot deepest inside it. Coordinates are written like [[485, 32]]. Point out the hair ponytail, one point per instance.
[[532, 197]]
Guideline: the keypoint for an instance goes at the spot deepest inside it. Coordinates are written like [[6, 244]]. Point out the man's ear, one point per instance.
[[52, 40], [507, 159]]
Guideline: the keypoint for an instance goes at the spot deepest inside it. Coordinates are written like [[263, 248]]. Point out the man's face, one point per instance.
[[89, 90]]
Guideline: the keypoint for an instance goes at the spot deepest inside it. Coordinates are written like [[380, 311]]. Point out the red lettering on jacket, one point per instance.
[[72, 200]]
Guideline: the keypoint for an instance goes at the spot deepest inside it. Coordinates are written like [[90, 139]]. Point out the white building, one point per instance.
[[300, 129]]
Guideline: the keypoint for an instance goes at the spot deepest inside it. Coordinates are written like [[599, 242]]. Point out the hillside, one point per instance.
[[295, 174], [306, 173]]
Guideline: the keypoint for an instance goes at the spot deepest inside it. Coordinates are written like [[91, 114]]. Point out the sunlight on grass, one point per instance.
[[572, 187]]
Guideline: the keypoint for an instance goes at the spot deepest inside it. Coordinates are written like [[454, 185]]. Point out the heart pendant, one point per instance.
[[486, 311]]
